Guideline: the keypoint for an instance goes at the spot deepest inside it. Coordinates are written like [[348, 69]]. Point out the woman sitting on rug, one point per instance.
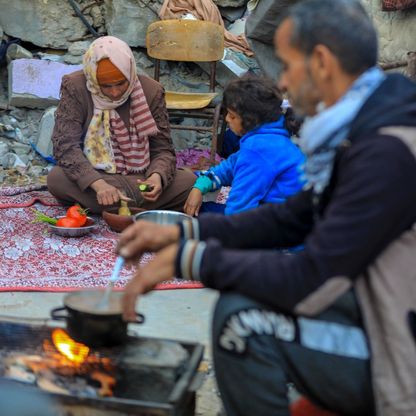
[[267, 168], [112, 134]]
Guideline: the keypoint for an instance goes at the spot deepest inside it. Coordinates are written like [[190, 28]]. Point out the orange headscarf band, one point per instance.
[[108, 73]]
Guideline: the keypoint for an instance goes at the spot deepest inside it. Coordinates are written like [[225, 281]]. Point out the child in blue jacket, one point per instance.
[[267, 168]]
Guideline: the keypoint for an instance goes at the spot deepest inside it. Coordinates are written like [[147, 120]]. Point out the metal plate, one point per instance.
[[73, 231]]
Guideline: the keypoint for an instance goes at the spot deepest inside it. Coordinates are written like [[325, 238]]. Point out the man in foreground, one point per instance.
[[337, 318]]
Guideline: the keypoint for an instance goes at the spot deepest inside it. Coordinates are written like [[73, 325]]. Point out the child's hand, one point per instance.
[[193, 203]]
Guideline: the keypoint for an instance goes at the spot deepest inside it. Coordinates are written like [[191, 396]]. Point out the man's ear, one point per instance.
[[321, 63]]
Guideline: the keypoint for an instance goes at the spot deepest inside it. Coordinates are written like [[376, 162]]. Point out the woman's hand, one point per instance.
[[144, 236], [155, 182], [161, 268], [193, 203], [107, 194]]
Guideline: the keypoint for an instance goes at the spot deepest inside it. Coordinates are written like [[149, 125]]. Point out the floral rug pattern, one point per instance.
[[33, 259]]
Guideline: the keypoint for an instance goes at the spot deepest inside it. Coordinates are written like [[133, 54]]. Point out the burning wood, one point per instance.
[[141, 376], [107, 383], [65, 358]]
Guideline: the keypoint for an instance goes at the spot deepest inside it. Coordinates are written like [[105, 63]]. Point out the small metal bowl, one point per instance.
[[162, 217], [73, 231]]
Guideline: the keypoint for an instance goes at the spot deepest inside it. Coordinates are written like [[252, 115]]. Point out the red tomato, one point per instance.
[[80, 214], [68, 223]]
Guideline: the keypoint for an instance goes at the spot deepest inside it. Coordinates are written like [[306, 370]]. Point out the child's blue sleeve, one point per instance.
[[225, 170]]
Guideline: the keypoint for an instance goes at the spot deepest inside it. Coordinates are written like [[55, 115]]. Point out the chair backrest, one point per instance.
[[185, 40]]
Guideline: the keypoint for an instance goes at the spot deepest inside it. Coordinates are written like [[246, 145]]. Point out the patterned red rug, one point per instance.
[[32, 259], [25, 196]]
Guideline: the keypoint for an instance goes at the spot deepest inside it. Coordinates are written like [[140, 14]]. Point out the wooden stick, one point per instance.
[[391, 65]]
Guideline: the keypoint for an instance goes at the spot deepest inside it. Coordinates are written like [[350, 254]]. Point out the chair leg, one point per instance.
[[220, 140], [214, 140]]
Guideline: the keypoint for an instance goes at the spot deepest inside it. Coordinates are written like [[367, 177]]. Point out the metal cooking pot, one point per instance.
[[162, 217], [91, 326]]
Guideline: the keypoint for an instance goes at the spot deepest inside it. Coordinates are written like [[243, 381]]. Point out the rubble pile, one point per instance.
[[35, 55], [41, 40]]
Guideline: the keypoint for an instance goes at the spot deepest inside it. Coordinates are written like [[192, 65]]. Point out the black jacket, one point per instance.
[[370, 201]]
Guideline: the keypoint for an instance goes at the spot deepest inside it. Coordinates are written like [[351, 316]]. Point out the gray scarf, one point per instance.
[[322, 134]]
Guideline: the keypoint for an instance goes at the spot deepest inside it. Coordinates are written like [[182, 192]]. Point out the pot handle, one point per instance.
[[139, 320], [56, 316]]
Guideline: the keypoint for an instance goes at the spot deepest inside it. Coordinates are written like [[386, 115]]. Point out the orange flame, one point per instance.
[[71, 349]]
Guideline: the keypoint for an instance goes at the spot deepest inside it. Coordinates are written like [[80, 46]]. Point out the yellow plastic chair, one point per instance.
[[189, 41]]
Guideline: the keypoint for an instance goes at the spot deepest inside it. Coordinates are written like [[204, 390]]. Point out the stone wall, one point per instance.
[[397, 31], [46, 23], [52, 23], [128, 20]]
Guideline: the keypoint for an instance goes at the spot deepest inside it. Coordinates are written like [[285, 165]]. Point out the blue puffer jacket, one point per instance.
[[267, 168]]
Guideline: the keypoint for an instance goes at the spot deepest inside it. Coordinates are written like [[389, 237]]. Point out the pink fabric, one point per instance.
[[131, 148], [121, 56], [195, 159]]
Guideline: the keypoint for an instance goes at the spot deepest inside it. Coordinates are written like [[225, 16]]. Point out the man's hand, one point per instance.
[[107, 194], [161, 268], [145, 236], [155, 182], [193, 203]]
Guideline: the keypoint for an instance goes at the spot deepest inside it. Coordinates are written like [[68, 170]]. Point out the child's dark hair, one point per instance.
[[292, 123], [256, 100]]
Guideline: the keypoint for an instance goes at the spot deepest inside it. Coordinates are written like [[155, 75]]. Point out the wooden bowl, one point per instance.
[[117, 222]]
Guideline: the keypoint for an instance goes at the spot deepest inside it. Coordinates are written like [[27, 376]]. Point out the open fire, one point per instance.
[[142, 377], [74, 351], [63, 366]]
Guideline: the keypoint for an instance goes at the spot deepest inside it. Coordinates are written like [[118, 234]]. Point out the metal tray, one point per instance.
[[73, 231]]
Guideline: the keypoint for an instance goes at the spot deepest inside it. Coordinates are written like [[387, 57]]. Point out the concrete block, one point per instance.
[[231, 14], [4, 147], [230, 3], [47, 123], [128, 20], [79, 48], [44, 23], [142, 61], [72, 59], [15, 51], [233, 65], [238, 27], [36, 83]]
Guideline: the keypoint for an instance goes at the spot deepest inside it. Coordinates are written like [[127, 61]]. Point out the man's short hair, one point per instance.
[[343, 26]]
